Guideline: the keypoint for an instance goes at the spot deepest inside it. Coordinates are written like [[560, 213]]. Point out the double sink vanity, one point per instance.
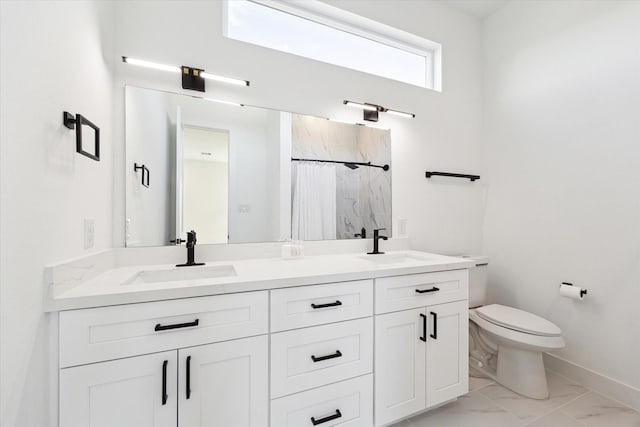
[[343, 339]]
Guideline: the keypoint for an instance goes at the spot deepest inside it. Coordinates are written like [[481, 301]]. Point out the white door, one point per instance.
[[399, 365], [224, 384], [447, 352], [205, 184], [179, 166], [132, 392]]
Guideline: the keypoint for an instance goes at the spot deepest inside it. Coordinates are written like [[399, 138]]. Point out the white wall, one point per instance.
[[272, 158], [284, 180], [444, 216], [56, 56], [562, 151], [152, 136]]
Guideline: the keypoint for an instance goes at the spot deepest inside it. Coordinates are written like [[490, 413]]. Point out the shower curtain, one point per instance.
[[313, 215]]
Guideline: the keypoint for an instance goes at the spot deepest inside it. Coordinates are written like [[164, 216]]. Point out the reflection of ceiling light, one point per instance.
[[220, 101], [371, 110], [192, 78]]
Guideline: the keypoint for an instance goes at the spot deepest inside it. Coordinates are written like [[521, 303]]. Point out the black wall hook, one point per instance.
[[145, 173], [76, 123]]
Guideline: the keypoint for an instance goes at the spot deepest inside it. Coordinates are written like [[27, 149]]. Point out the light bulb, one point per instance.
[[224, 79], [149, 64]]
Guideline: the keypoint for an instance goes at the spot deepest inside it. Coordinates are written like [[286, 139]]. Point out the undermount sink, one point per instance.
[[181, 273], [393, 258]]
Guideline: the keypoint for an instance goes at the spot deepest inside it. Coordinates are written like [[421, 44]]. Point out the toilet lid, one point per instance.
[[518, 320]]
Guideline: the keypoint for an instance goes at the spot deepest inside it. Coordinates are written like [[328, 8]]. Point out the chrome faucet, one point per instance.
[[191, 250], [376, 239]]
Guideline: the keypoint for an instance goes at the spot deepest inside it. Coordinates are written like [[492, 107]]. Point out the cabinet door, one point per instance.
[[399, 365], [447, 351], [132, 392], [224, 384]]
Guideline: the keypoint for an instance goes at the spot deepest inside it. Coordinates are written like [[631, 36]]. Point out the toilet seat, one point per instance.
[[518, 320]]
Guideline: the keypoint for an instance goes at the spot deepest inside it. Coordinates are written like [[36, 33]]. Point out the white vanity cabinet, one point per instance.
[[421, 353], [206, 375], [224, 384], [322, 355], [286, 357], [126, 393]]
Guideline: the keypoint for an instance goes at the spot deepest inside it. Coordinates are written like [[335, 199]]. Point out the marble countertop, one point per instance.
[[119, 285]]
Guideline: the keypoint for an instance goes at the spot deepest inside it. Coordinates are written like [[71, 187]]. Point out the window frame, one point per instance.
[[352, 23]]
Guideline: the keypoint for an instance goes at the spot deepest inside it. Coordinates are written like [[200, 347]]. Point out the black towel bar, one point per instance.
[[454, 175]]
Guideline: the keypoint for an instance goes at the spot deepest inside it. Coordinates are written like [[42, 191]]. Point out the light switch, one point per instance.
[[89, 233], [402, 227]]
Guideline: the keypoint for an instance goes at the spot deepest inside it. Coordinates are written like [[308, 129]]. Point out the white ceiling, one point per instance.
[[478, 8]]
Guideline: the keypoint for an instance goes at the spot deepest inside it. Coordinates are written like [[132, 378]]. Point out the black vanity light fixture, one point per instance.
[[371, 111], [192, 78]]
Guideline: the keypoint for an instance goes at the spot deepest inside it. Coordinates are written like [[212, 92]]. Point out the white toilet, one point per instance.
[[506, 344]]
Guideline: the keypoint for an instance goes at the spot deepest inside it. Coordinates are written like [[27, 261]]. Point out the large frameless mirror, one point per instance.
[[239, 174]]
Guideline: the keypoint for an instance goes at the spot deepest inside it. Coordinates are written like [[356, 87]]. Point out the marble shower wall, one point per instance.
[[363, 195]]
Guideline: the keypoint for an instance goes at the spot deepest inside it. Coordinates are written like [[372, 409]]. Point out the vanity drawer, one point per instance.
[[346, 404], [419, 290], [312, 357], [299, 307], [96, 334]]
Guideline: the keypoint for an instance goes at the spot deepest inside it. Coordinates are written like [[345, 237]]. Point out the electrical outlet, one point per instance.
[[402, 227], [89, 233]]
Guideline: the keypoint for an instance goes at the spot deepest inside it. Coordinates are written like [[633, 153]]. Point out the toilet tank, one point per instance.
[[477, 280]]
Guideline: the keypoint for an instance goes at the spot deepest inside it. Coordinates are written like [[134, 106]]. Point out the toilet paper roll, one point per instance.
[[573, 292]]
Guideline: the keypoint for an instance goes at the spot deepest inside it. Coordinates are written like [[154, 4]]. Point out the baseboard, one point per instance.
[[599, 383]]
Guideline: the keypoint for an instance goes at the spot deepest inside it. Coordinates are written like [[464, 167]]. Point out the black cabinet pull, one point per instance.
[[164, 382], [434, 289], [337, 415], [424, 328], [160, 327], [338, 353], [434, 335], [188, 377], [331, 304]]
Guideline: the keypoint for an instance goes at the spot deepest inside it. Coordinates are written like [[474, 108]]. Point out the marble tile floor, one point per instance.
[[491, 405]]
